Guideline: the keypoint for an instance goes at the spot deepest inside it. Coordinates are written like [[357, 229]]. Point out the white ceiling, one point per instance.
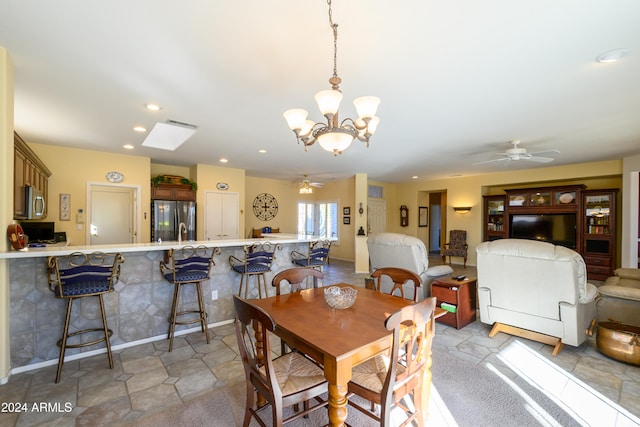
[[457, 79]]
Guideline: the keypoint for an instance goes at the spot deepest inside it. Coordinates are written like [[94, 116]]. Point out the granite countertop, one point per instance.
[[59, 250]]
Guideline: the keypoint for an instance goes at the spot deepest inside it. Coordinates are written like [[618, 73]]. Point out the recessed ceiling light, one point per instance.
[[223, 160], [128, 146], [140, 129], [612, 55], [152, 107], [414, 177], [262, 151]]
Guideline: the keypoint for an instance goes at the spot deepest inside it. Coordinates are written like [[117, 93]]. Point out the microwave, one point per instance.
[[35, 204]]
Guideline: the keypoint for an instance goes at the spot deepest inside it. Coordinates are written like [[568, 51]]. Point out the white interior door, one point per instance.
[[111, 215], [376, 216], [221, 212]]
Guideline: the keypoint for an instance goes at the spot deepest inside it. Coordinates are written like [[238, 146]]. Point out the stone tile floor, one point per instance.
[[147, 378]]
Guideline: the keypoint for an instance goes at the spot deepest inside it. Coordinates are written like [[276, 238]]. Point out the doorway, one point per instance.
[[111, 216], [376, 216]]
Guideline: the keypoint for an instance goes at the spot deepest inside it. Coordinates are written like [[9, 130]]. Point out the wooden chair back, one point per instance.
[[399, 276], [296, 277]]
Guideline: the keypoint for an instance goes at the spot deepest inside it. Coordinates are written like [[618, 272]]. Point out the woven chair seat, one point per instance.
[[303, 262], [187, 276], [78, 289], [372, 373], [295, 373], [251, 268]]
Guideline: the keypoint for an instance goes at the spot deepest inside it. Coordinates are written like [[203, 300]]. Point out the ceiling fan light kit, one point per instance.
[[334, 136]]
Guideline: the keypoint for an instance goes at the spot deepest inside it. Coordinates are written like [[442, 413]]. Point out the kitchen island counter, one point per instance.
[[138, 309]]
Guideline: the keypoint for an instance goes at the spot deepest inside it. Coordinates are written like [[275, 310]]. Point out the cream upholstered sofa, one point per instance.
[[536, 290], [620, 298], [400, 250]]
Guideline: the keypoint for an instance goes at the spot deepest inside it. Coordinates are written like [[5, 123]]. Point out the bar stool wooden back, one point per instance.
[[80, 275], [189, 265]]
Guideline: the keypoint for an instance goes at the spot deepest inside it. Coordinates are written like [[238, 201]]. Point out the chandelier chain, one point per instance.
[[334, 28]]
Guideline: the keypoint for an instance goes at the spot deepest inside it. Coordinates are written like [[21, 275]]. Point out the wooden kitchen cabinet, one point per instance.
[[173, 192], [28, 169]]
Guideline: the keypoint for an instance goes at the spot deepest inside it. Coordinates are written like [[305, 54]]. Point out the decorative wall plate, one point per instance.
[[265, 206], [113, 176], [222, 186]]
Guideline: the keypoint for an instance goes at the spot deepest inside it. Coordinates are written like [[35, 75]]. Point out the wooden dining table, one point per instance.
[[337, 339]]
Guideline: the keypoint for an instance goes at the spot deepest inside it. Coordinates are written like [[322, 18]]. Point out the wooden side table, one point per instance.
[[461, 294]]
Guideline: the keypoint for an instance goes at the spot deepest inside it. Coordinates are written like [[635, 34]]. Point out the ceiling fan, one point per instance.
[[517, 153]]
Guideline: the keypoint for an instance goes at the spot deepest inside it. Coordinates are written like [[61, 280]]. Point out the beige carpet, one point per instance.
[[474, 395]]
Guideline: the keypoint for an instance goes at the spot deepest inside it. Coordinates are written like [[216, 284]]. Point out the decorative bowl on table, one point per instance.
[[340, 298]]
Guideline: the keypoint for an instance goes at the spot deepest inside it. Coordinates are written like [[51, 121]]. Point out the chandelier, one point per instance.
[[334, 136]]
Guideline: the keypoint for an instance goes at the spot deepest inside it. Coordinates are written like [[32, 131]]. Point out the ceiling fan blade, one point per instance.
[[544, 153], [491, 161], [317, 184], [538, 159]]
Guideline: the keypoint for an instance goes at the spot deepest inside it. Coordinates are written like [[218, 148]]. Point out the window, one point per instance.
[[320, 219]]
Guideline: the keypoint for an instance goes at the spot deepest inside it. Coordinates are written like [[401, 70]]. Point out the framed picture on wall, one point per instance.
[[346, 220], [346, 211], [423, 216]]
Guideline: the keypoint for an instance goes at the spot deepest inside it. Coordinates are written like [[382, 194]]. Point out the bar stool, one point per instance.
[[80, 275], [257, 261], [316, 257], [185, 266]]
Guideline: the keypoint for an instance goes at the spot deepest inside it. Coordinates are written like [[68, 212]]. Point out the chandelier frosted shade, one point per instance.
[[328, 101], [366, 106], [336, 141]]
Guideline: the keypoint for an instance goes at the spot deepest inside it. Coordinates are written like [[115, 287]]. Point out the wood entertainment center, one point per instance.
[[547, 213]]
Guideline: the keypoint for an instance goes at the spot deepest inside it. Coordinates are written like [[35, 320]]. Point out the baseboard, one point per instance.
[[103, 350]]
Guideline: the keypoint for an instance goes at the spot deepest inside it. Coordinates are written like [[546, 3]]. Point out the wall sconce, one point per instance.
[[462, 209]]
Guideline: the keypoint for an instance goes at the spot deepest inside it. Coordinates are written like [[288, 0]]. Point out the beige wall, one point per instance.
[[468, 191], [6, 200], [71, 170], [160, 169]]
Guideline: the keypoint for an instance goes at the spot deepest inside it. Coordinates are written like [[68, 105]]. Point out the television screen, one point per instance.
[[559, 229], [38, 231]]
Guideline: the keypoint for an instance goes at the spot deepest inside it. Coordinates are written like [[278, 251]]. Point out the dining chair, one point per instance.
[[80, 275], [257, 261], [288, 380], [188, 265], [389, 378], [295, 277], [399, 277], [457, 246]]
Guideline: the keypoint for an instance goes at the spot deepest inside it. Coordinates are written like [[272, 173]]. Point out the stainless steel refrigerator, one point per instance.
[[166, 217]]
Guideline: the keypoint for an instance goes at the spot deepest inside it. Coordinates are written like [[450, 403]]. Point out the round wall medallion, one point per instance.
[[265, 206], [114, 177], [222, 186]]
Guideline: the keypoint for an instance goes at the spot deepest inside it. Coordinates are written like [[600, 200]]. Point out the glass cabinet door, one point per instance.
[[597, 210]]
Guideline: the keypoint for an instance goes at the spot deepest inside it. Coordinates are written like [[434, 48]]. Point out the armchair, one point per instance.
[[402, 251], [535, 290], [620, 298], [457, 246]]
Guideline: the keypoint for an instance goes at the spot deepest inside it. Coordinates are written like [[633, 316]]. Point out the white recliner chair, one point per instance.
[[535, 290], [400, 250]]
